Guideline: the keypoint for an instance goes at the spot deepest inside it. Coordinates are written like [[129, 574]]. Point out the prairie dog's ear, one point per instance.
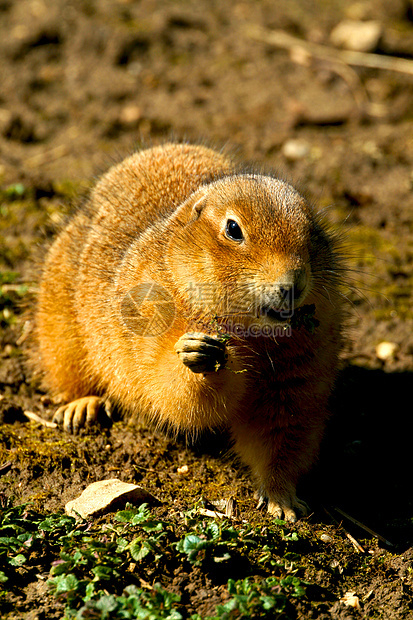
[[198, 206]]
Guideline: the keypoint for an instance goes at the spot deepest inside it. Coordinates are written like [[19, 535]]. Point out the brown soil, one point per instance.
[[82, 84]]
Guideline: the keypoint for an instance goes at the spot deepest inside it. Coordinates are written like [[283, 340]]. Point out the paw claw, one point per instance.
[[201, 352], [284, 508], [262, 503], [276, 510], [79, 413]]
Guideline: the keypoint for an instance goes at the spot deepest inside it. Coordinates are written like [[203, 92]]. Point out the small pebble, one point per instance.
[[182, 471], [7, 313], [295, 149], [326, 538], [130, 114], [386, 351], [358, 36], [8, 350], [351, 600]]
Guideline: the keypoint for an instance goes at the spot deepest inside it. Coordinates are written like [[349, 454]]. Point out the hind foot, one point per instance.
[[81, 413], [283, 508], [201, 352]]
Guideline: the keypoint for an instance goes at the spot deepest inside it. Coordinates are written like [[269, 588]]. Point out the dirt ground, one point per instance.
[[85, 82]]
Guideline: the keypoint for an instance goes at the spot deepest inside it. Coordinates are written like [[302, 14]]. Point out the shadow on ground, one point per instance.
[[365, 464]]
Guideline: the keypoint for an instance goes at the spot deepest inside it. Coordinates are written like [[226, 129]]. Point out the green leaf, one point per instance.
[[122, 545], [268, 602], [229, 605], [9, 541], [60, 568], [191, 542], [106, 605], [56, 522], [65, 583], [125, 516], [18, 560], [17, 190], [90, 590], [102, 572], [139, 549], [133, 591], [214, 530], [25, 537]]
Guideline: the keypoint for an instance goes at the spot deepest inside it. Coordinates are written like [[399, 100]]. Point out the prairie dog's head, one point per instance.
[[249, 246]]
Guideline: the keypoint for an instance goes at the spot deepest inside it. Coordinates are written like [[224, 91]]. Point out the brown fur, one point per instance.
[[160, 217]]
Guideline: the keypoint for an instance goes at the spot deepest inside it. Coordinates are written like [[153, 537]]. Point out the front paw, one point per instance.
[[281, 507], [201, 352]]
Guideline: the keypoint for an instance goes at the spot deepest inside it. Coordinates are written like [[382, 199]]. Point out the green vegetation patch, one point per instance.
[[167, 564], [125, 567]]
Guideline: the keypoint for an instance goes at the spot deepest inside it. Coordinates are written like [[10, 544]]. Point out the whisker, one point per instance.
[[326, 290]]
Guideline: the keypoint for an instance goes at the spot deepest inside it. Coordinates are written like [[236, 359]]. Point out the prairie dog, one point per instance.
[[198, 295]]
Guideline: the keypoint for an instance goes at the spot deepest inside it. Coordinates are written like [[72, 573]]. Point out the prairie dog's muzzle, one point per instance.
[[278, 300]]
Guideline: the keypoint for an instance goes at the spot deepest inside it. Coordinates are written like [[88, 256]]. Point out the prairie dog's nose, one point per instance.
[[294, 283]]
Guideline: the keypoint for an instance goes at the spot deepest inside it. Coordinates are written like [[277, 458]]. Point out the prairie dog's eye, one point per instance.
[[233, 231]]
